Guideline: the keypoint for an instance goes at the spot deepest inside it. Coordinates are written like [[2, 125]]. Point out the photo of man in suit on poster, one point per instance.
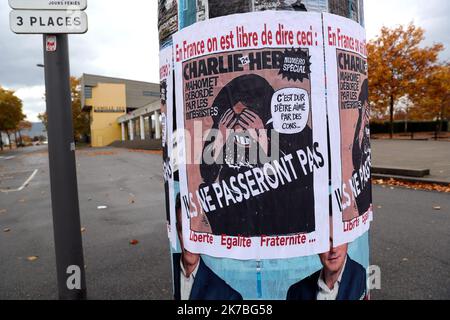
[[193, 280], [340, 278]]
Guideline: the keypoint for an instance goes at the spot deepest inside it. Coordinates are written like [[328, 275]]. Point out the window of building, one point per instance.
[[150, 94], [88, 92]]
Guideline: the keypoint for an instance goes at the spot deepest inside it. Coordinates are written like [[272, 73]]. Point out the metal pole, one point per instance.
[[63, 175]]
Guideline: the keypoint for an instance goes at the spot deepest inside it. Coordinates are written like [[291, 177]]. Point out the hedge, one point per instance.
[[413, 126]]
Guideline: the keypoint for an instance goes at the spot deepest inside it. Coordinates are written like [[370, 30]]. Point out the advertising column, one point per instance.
[[269, 125]]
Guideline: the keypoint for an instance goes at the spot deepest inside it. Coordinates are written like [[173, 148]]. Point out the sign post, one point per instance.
[[63, 175], [55, 22]]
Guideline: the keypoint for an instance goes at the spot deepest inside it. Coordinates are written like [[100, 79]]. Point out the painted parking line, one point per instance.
[[26, 183], [7, 158]]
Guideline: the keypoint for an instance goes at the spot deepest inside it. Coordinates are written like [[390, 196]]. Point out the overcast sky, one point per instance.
[[122, 41]]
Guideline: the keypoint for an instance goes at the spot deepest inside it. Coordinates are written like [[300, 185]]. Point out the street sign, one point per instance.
[[48, 4], [48, 21]]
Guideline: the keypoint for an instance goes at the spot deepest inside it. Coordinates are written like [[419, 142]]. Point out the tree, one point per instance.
[[397, 65], [10, 113], [81, 122], [44, 119], [433, 97], [23, 125], [80, 119]]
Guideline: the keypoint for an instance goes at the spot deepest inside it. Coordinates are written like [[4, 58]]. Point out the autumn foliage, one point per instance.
[[401, 67], [413, 185], [433, 96], [11, 115]]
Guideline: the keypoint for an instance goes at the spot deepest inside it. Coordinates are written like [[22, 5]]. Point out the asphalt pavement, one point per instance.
[[414, 154], [129, 184], [410, 238], [410, 242]]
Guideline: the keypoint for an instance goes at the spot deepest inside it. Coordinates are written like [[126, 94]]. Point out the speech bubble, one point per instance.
[[290, 110]]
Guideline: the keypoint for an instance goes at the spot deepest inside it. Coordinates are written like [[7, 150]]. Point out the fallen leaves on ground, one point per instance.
[[158, 152], [413, 185], [98, 153], [41, 153], [134, 242], [32, 258], [6, 230]]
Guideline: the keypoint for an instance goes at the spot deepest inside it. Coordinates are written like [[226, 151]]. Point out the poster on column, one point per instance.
[[352, 9], [167, 108], [167, 19], [219, 8], [297, 5], [349, 115], [251, 103]]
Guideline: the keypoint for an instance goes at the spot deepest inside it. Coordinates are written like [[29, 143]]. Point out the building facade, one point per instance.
[[108, 99]]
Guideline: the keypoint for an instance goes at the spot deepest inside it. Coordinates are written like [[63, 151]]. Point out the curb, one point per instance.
[[410, 179], [401, 172]]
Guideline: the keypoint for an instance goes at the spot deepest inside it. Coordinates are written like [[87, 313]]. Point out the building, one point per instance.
[[135, 103]]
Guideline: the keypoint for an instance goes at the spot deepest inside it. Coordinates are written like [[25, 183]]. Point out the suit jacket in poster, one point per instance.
[[352, 286], [207, 285]]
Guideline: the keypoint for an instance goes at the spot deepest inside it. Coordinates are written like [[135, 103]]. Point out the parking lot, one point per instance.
[[128, 184], [121, 199]]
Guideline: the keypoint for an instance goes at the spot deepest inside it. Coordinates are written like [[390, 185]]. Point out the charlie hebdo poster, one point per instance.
[[167, 108], [349, 114], [253, 153]]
